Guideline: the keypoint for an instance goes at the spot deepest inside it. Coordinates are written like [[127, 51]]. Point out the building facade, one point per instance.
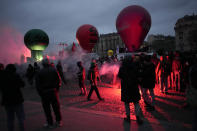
[[186, 34], [111, 41], [161, 43]]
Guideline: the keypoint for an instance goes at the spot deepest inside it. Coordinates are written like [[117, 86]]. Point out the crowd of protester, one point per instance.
[[142, 72]]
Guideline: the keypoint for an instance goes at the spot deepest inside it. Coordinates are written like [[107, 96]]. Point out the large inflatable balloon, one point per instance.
[[37, 41], [133, 23], [87, 36]]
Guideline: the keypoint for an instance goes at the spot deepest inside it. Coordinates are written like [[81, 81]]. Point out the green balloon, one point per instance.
[[36, 39]]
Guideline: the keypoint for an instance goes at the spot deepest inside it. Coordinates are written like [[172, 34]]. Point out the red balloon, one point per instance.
[[133, 23], [87, 36]]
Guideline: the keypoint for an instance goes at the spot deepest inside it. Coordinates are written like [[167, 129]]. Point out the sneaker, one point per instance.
[[139, 120], [48, 126], [59, 123]]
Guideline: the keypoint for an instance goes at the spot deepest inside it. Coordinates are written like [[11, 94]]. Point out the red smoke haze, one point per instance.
[[12, 45]]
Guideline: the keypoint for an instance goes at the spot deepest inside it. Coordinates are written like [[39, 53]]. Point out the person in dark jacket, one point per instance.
[[36, 68], [93, 73], [47, 84], [128, 73], [191, 94], [81, 77], [164, 68], [155, 61], [148, 83], [30, 74], [12, 97], [60, 71]]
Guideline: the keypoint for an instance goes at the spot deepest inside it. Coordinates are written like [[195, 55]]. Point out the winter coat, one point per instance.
[[10, 88], [129, 83], [148, 76], [30, 72], [47, 80]]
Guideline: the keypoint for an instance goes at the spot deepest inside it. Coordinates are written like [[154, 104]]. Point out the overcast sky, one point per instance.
[[60, 19]]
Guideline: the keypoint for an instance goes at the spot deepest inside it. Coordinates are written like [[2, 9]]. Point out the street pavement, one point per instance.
[[82, 115]]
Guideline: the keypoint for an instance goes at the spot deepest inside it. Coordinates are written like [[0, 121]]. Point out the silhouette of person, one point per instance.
[[191, 94], [164, 68], [47, 84], [155, 61], [93, 75], [12, 97], [60, 71], [128, 73], [36, 68], [30, 74], [176, 68], [148, 83], [81, 78]]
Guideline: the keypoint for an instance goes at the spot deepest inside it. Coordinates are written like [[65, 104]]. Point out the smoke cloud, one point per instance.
[[108, 71], [12, 47]]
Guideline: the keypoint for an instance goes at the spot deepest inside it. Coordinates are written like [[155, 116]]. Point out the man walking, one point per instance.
[[93, 75]]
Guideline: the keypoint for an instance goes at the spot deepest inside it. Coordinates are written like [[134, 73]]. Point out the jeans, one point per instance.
[[10, 111]]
